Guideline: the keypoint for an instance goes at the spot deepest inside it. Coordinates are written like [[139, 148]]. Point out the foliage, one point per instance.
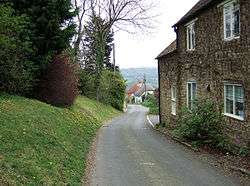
[[94, 38], [152, 103], [59, 82], [51, 24], [86, 84], [202, 123], [97, 47], [16, 69], [112, 87], [46, 145], [244, 151]]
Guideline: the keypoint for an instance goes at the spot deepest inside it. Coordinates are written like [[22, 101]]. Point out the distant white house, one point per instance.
[[139, 91]]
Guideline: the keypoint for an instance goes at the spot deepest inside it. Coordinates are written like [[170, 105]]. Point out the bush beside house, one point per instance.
[[152, 103]]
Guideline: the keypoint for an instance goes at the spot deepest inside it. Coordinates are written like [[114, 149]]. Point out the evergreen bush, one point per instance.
[[16, 68], [112, 87], [202, 123]]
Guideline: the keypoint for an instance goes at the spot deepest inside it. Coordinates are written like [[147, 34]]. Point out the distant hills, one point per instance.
[[132, 75]]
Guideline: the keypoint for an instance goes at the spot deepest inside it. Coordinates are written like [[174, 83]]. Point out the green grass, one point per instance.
[[42, 144]]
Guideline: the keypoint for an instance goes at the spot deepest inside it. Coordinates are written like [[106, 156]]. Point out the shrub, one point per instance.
[[112, 87], [86, 84], [16, 69], [152, 103], [58, 85], [202, 123]]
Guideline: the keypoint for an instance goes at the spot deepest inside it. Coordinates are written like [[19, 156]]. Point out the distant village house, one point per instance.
[[139, 91]]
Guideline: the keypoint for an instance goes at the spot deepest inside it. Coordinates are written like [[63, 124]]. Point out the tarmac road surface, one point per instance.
[[130, 153]]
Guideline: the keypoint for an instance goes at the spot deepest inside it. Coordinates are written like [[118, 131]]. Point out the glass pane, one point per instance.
[[229, 92], [239, 101], [229, 99], [193, 91], [229, 106], [189, 38], [173, 93], [228, 25], [189, 95], [193, 38], [236, 29]]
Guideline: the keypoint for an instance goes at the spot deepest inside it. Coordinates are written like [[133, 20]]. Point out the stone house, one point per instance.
[[210, 58]]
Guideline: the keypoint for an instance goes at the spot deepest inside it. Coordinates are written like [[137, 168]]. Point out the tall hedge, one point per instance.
[[58, 85], [16, 68], [112, 87]]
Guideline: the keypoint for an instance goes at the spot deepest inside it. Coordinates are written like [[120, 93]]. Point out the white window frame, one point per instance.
[[234, 102], [173, 100], [192, 96], [230, 5], [190, 40]]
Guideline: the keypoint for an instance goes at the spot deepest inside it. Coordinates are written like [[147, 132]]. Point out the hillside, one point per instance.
[[132, 75], [46, 145]]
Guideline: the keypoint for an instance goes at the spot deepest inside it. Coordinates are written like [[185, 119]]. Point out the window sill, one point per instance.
[[190, 50], [234, 116], [231, 39]]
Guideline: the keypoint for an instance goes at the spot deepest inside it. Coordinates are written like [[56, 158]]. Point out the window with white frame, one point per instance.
[[173, 100], [191, 94], [231, 20], [190, 36], [234, 101]]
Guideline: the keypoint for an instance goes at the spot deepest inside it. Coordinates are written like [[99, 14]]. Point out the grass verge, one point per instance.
[[42, 144]]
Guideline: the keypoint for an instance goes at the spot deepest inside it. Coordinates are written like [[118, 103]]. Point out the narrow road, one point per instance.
[[130, 153]]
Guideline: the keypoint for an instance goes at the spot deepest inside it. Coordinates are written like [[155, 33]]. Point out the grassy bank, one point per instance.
[[42, 144]]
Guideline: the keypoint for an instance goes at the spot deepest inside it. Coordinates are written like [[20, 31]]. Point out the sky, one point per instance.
[[140, 50]]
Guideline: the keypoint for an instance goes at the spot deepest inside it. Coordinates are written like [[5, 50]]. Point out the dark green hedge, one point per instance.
[[112, 87]]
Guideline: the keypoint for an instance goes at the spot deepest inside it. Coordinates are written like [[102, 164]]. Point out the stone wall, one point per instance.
[[213, 62]]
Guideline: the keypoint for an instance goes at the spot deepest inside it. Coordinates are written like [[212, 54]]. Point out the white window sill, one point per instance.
[[234, 116], [190, 50], [231, 38]]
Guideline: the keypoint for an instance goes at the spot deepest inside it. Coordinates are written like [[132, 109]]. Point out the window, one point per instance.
[[191, 94], [173, 100], [190, 36], [234, 101], [231, 20]]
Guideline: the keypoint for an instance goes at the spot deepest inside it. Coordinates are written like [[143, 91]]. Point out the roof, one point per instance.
[[141, 91], [198, 7], [134, 88], [171, 48]]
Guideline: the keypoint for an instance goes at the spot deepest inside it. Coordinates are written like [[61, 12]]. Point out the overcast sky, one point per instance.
[[140, 50]]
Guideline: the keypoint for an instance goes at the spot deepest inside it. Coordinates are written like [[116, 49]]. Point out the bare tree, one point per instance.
[[122, 14], [126, 15], [82, 7]]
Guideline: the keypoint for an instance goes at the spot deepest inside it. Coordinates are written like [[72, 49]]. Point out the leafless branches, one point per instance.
[[122, 14], [125, 15]]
